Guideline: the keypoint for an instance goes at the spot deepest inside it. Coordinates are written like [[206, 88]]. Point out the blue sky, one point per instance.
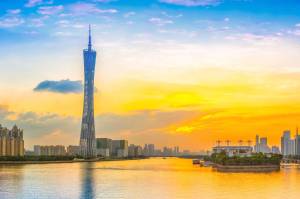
[[179, 60], [22, 18]]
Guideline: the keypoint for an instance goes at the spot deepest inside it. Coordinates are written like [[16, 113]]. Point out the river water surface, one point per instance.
[[154, 178]]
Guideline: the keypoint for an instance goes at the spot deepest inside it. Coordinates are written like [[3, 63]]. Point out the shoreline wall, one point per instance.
[[248, 168]]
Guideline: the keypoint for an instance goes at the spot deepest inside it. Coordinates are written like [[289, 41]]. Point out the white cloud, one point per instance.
[[105, 1], [160, 21], [50, 10], [67, 23], [129, 22], [129, 14], [294, 32], [33, 3], [226, 19], [192, 2], [89, 8], [63, 34], [30, 32], [10, 22], [14, 12], [257, 39], [171, 16], [63, 23]]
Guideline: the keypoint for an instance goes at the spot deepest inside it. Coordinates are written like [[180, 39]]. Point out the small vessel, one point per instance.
[[207, 163], [196, 161]]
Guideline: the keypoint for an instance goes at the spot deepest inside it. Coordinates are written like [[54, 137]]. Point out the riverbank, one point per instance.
[[246, 168], [64, 161]]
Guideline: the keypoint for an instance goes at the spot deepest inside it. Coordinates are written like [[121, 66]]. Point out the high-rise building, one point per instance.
[[167, 151], [87, 136], [37, 150], [297, 144], [256, 147], [275, 150], [261, 145], [149, 150], [264, 141], [135, 151], [73, 150], [176, 150], [120, 148], [104, 147], [286, 143], [11, 141]]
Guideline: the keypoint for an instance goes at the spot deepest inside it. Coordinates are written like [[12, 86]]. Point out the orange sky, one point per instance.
[[223, 105]]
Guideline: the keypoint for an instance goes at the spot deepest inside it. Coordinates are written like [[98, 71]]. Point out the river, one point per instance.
[[153, 178]]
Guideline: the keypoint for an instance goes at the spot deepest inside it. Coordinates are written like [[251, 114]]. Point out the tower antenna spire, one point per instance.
[[90, 38]]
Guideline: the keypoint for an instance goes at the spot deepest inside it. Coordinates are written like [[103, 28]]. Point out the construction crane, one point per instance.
[[241, 142], [228, 142], [249, 142]]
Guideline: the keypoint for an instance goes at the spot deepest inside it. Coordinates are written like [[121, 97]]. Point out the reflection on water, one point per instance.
[[87, 181], [12, 177], [143, 179]]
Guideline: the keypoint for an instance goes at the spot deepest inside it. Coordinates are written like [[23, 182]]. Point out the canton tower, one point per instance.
[[87, 135]]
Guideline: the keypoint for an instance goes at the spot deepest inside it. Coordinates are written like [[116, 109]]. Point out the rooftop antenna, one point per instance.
[[90, 39]]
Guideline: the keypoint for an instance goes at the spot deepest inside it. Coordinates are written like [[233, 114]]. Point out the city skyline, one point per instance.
[[171, 72]]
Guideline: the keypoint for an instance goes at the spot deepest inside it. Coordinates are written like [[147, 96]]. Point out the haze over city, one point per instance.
[[169, 72]]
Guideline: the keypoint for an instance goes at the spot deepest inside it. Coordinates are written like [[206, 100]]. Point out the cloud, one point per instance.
[[255, 38], [89, 8], [192, 2], [129, 14], [14, 11], [9, 22], [50, 10], [36, 22], [62, 34], [171, 16], [295, 31], [67, 23], [226, 19], [142, 121], [160, 21], [105, 1], [33, 3], [37, 127], [62, 86]]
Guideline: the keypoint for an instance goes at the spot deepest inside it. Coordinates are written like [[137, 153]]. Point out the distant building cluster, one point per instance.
[[289, 146], [119, 148], [57, 150], [106, 147], [11, 141]]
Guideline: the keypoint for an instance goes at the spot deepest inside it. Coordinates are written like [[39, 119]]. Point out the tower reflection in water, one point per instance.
[[87, 181]]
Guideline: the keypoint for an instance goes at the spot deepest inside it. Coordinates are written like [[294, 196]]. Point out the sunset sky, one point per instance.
[[168, 72]]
